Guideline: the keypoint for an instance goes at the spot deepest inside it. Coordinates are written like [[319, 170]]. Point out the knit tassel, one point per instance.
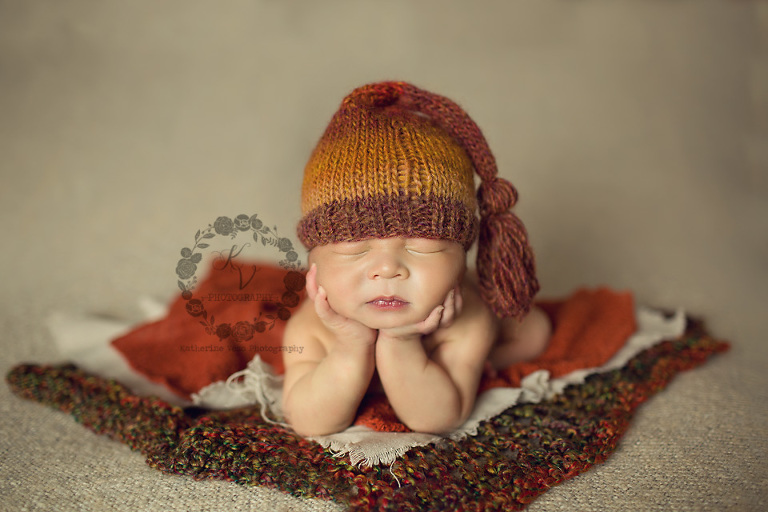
[[505, 262]]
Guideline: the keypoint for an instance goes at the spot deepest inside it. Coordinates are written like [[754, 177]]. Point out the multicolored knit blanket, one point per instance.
[[513, 458]]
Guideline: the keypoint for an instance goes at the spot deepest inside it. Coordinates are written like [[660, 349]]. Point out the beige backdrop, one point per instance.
[[635, 131]]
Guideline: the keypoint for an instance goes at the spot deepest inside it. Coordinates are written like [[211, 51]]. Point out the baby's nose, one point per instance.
[[388, 267]]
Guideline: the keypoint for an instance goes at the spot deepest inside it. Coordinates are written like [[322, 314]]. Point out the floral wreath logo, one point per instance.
[[231, 228]]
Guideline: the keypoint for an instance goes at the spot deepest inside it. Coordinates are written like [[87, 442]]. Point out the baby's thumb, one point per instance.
[[323, 308]]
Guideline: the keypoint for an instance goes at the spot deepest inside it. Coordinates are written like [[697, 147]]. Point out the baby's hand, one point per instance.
[[440, 317], [345, 329]]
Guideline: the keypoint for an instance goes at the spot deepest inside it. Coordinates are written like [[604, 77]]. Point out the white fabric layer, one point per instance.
[[84, 341], [257, 384]]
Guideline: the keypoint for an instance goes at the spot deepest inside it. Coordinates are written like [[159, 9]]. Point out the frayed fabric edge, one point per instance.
[[389, 446]]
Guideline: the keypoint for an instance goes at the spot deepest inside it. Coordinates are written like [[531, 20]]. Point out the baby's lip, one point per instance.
[[389, 300]]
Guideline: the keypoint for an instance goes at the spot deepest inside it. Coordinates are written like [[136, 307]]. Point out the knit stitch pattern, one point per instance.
[[514, 457], [382, 170]]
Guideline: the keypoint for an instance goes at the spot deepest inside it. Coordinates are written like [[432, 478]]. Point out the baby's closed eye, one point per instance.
[[351, 248], [425, 246]]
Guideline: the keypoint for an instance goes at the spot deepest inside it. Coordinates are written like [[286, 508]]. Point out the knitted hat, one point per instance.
[[397, 160]]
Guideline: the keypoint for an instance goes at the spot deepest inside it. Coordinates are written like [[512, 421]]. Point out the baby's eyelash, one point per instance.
[[421, 246], [351, 253], [355, 249], [422, 251]]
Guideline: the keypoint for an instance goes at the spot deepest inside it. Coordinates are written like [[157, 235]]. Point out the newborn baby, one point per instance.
[[397, 315], [389, 211]]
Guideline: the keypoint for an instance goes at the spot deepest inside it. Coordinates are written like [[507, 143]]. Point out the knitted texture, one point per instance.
[[396, 160], [513, 458]]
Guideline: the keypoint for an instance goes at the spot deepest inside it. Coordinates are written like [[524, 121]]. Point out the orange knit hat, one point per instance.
[[396, 160]]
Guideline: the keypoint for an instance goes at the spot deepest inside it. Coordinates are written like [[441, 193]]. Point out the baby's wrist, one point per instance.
[[400, 337], [356, 344]]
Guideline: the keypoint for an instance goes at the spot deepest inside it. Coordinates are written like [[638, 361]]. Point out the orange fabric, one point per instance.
[[590, 326], [177, 352]]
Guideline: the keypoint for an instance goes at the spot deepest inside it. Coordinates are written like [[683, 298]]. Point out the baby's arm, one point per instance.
[[323, 388], [435, 392]]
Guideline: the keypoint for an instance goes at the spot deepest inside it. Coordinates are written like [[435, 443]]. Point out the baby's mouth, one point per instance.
[[388, 302]]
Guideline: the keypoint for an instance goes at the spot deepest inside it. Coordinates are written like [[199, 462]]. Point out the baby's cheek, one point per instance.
[[434, 296], [325, 279]]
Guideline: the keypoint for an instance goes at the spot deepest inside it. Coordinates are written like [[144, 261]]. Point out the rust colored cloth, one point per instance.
[[590, 326], [187, 350]]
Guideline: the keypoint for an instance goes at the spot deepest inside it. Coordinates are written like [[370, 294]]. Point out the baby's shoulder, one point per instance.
[[474, 309], [305, 327], [303, 321]]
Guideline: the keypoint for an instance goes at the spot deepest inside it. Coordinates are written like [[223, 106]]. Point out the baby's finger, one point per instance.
[[459, 301], [432, 322], [325, 312], [322, 307], [449, 313], [311, 282]]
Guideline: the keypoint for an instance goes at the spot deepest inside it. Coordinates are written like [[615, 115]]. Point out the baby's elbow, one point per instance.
[[312, 430], [306, 426], [436, 424], [432, 427], [304, 429]]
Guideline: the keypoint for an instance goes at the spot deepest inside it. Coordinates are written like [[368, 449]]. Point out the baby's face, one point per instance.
[[390, 282]]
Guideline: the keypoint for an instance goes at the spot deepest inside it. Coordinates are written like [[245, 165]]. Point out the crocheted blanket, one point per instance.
[[514, 457]]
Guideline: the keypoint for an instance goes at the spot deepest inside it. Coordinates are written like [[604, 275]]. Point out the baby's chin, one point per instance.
[[390, 320], [378, 325]]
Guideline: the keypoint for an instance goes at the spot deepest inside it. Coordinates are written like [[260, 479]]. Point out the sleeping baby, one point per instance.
[[389, 211]]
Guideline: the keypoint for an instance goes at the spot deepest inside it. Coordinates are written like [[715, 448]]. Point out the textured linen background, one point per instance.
[[635, 131]]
